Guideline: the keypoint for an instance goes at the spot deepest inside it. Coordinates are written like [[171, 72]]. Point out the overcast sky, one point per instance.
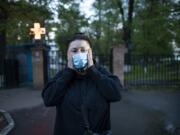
[[86, 7]]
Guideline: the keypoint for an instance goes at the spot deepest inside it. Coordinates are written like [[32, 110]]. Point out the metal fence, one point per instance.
[[152, 70], [57, 62]]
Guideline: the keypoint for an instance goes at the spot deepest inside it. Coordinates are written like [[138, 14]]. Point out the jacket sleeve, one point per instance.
[[109, 85], [55, 89]]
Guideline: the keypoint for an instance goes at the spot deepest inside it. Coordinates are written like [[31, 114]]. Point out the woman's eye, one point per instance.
[[83, 50], [74, 51]]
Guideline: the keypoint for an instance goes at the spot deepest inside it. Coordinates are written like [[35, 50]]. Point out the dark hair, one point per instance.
[[80, 36]]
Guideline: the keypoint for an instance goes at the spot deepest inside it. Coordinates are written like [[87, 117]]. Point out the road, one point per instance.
[[138, 113]]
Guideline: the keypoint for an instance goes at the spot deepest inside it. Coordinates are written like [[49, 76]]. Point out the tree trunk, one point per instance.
[[127, 23], [3, 19], [2, 43]]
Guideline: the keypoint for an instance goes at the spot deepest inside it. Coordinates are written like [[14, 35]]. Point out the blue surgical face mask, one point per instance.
[[80, 61]]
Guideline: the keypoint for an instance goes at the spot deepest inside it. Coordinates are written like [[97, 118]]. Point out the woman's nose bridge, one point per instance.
[[79, 50]]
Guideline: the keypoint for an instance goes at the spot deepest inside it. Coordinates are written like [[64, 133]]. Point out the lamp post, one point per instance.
[[39, 59]]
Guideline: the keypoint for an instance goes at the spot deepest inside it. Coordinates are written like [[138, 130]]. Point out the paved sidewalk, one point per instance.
[[19, 98], [138, 113], [146, 112]]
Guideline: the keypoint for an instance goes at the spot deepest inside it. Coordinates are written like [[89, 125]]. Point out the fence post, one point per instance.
[[39, 66], [118, 61]]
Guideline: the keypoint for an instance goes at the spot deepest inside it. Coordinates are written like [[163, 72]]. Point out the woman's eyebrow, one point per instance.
[[74, 48], [78, 47]]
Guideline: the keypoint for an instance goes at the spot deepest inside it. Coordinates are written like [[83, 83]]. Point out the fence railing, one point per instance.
[[152, 70], [57, 62]]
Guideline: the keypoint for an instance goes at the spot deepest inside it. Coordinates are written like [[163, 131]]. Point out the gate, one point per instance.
[[151, 70]]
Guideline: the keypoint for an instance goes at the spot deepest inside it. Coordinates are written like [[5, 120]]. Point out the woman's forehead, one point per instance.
[[79, 44]]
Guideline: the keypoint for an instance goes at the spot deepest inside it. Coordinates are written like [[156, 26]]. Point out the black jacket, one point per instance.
[[68, 90]]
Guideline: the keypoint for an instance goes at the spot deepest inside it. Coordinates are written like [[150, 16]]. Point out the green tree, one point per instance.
[[21, 17], [115, 23], [71, 21], [3, 20], [148, 27], [16, 17], [126, 10], [153, 28], [174, 22], [105, 27]]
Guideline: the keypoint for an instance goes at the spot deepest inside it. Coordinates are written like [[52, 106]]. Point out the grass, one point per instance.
[[155, 88], [159, 72]]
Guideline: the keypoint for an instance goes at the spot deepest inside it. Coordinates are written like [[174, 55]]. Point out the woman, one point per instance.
[[82, 93]]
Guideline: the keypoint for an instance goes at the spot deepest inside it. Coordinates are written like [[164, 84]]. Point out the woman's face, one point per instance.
[[78, 46]]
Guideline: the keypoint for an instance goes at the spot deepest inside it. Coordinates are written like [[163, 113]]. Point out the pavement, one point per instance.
[[19, 98], [138, 113], [147, 113]]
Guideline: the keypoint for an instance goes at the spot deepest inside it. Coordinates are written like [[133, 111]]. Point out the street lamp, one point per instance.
[[37, 31]]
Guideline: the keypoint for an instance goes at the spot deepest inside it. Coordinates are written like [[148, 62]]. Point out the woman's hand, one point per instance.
[[70, 64], [90, 58]]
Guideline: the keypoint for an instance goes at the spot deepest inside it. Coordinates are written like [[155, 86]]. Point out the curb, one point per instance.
[[10, 125]]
